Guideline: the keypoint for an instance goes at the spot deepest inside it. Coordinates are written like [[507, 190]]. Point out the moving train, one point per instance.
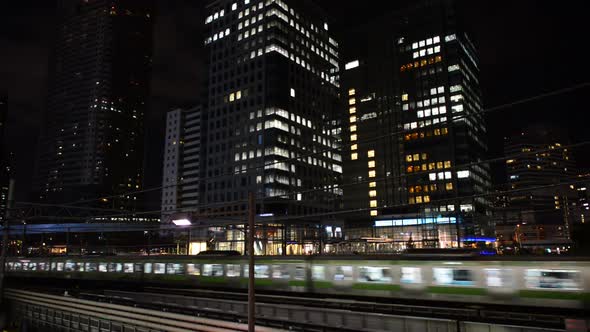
[[528, 281]]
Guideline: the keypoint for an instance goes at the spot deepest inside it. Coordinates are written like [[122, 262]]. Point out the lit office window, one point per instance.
[[292, 92], [354, 156], [372, 174], [354, 147], [371, 153], [373, 213], [353, 137], [371, 164], [351, 92], [405, 97], [372, 193], [373, 203]]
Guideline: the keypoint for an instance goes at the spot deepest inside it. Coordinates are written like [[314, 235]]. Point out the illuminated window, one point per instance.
[[424, 156], [449, 186], [352, 118], [438, 58], [353, 128], [411, 190], [372, 164], [351, 92], [416, 157], [444, 131], [439, 165], [431, 166], [353, 137], [405, 97], [424, 167], [409, 157], [354, 156], [232, 97], [418, 199], [411, 200], [292, 92], [447, 164], [426, 199], [373, 203], [372, 174], [238, 95], [437, 132], [371, 153], [372, 184], [373, 213], [352, 110], [416, 168], [351, 101], [410, 169], [372, 193], [433, 187], [353, 147]]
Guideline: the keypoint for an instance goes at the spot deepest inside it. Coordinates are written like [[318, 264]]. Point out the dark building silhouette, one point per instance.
[[540, 213], [92, 143], [414, 132], [4, 164]]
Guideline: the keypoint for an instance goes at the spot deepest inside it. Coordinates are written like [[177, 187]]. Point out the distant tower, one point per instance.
[[92, 143]]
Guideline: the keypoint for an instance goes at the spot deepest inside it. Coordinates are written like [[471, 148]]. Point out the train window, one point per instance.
[[261, 271], [343, 273], [70, 266], [280, 271], [25, 265], [10, 266], [102, 267], [44, 266], [498, 277], [374, 274], [232, 270], [32, 266], [112, 267], [193, 269], [452, 276], [17, 266], [91, 267], [60, 266], [554, 279], [138, 267], [80, 267], [174, 268], [128, 267], [147, 268], [318, 272], [299, 272], [159, 268], [411, 275], [213, 270], [246, 270], [53, 266]]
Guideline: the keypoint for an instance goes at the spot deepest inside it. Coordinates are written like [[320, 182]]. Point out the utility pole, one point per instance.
[[251, 295], [9, 204]]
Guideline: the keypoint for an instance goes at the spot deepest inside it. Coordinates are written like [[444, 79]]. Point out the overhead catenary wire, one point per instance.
[[344, 185], [360, 142]]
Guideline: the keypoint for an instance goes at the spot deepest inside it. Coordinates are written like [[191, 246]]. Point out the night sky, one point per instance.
[[525, 48]]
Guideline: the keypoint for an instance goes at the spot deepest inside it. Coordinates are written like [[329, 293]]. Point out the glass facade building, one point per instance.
[[415, 134], [272, 116]]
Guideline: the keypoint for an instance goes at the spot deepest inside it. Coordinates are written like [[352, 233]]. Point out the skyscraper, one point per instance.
[[541, 213], [272, 96], [415, 135], [92, 141], [182, 161]]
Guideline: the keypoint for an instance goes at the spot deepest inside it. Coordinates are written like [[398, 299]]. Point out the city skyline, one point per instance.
[[173, 26]]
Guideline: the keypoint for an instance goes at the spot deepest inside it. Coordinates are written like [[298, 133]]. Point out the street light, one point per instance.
[[181, 222]]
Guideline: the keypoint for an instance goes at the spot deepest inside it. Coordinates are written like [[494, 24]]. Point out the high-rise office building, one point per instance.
[[414, 134], [539, 213], [182, 162], [92, 143], [272, 96]]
